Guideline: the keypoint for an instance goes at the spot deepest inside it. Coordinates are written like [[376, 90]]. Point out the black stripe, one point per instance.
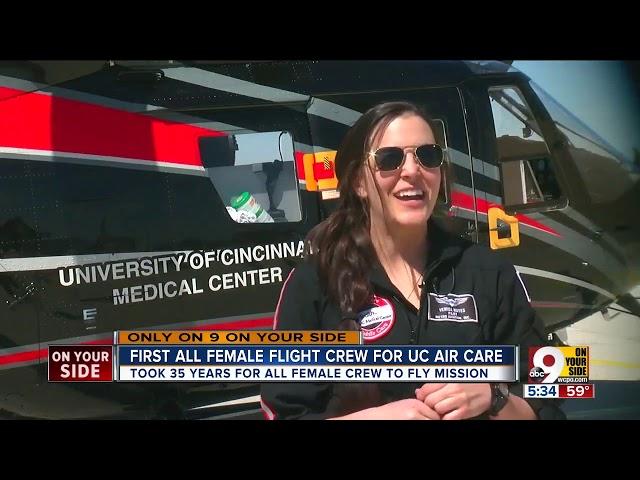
[[487, 185], [326, 77], [67, 209], [168, 92], [461, 175]]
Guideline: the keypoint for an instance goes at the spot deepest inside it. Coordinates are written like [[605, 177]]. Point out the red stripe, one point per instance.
[[299, 156], [6, 93], [42, 353], [33, 355], [45, 122], [29, 356], [464, 200]]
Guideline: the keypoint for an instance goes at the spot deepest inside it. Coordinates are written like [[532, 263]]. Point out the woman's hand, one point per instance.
[[407, 409], [456, 401]]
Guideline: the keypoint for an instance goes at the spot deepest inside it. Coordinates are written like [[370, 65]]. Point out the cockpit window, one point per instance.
[[603, 170], [528, 177]]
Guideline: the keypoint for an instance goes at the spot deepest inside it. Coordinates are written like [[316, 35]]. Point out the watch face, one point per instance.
[[500, 397]]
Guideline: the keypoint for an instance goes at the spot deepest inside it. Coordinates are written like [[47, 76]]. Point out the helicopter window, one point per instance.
[[528, 177], [254, 175], [604, 171]]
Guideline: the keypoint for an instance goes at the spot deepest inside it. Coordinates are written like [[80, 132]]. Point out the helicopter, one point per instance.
[[118, 181]]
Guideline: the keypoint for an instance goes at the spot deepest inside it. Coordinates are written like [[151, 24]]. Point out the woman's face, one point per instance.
[[408, 194]]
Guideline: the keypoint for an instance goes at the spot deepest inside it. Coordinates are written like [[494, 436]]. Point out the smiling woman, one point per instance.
[[382, 265]]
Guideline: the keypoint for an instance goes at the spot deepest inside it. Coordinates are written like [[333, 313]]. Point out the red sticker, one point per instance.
[[377, 320]]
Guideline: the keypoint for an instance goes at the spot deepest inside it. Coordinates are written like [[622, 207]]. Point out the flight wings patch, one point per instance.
[[452, 308]]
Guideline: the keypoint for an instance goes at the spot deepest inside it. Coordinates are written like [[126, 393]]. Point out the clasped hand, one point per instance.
[[434, 401], [455, 401]]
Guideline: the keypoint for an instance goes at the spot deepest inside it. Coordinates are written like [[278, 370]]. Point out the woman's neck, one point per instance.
[[402, 254], [400, 247]]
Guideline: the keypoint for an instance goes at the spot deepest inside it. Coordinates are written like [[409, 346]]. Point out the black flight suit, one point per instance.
[[479, 282]]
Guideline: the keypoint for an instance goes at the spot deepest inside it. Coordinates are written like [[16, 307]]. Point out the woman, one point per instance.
[[381, 264]]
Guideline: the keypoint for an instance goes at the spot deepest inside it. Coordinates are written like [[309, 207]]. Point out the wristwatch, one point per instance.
[[499, 398]]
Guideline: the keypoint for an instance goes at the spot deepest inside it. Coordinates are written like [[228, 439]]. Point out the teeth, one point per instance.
[[409, 193]]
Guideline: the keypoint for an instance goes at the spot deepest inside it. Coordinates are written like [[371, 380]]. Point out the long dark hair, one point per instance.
[[341, 245]]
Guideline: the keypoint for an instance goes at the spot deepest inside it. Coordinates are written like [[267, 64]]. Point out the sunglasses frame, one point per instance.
[[406, 150]]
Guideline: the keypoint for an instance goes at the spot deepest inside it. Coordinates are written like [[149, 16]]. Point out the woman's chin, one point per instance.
[[414, 219]]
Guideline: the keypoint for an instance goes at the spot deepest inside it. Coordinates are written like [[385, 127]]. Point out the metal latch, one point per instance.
[[504, 230]]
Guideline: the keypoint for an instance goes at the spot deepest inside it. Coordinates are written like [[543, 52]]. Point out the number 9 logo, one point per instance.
[[552, 371]]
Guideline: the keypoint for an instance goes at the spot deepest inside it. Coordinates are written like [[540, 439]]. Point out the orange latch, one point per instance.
[[513, 240], [319, 171]]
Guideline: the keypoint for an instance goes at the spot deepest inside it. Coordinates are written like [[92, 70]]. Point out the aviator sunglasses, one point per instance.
[[392, 158]]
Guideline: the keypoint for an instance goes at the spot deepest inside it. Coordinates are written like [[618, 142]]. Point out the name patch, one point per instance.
[[452, 308]]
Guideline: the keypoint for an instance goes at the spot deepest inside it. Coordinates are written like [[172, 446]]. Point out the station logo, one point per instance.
[[558, 364]]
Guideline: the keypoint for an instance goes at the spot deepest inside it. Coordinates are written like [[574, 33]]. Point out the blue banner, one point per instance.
[[316, 355]]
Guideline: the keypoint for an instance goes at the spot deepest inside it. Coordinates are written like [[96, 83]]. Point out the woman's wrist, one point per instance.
[[517, 408], [366, 414]]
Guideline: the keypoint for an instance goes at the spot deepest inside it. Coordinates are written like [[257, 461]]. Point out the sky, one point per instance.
[[600, 93], [263, 148]]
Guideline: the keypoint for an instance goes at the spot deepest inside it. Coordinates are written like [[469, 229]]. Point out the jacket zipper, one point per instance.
[[424, 298], [412, 326]]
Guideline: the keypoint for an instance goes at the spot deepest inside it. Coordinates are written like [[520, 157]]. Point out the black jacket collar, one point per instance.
[[444, 248]]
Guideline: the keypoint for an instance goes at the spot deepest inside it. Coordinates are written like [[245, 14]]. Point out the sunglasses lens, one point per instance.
[[389, 158], [430, 156]]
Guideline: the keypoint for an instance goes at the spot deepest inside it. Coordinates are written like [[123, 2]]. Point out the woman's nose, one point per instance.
[[411, 166]]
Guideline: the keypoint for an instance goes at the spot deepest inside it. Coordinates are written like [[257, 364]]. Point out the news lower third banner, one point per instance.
[[276, 356]]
